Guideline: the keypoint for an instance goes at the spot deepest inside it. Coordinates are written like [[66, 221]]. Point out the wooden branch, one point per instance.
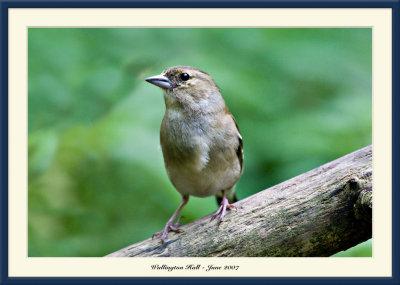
[[318, 213]]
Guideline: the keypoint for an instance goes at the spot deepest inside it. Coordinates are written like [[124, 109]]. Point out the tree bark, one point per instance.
[[318, 213]]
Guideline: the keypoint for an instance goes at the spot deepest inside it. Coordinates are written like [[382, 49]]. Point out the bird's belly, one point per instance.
[[220, 173]]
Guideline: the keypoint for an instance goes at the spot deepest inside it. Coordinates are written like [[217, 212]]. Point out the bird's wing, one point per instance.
[[239, 150]]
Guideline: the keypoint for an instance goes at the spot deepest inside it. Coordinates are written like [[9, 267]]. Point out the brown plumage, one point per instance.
[[200, 140]]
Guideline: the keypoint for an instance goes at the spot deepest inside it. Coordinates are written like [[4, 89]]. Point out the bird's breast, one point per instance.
[[198, 159], [183, 141]]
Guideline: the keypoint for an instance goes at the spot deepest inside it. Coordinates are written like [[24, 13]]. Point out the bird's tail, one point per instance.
[[230, 195], [231, 201]]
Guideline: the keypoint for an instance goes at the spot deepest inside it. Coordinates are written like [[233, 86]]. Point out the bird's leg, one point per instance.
[[170, 224], [222, 209]]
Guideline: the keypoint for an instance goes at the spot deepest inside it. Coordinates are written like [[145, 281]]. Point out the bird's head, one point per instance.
[[187, 86]]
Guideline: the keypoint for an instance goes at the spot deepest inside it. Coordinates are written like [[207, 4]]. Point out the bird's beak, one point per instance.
[[160, 81]]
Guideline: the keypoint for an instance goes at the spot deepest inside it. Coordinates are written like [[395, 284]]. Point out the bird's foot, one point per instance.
[[222, 209], [169, 226]]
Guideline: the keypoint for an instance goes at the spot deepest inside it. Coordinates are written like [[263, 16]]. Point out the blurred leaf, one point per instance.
[[361, 250]]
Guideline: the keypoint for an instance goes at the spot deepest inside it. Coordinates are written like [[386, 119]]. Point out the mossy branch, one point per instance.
[[318, 213]]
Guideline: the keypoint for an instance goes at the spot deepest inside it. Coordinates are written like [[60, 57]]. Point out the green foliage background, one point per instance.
[[97, 183]]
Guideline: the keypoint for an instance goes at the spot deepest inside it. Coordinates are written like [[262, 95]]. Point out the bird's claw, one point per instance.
[[222, 210], [170, 226]]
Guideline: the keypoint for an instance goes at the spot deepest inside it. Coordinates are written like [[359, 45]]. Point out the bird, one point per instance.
[[200, 140]]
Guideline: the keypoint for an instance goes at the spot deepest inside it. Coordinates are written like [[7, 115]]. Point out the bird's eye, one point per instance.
[[184, 76]]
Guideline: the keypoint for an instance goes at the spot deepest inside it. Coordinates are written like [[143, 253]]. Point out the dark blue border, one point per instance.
[[199, 4], [3, 144], [6, 4]]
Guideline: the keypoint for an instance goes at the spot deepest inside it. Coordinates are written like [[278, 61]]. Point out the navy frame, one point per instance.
[[6, 4]]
